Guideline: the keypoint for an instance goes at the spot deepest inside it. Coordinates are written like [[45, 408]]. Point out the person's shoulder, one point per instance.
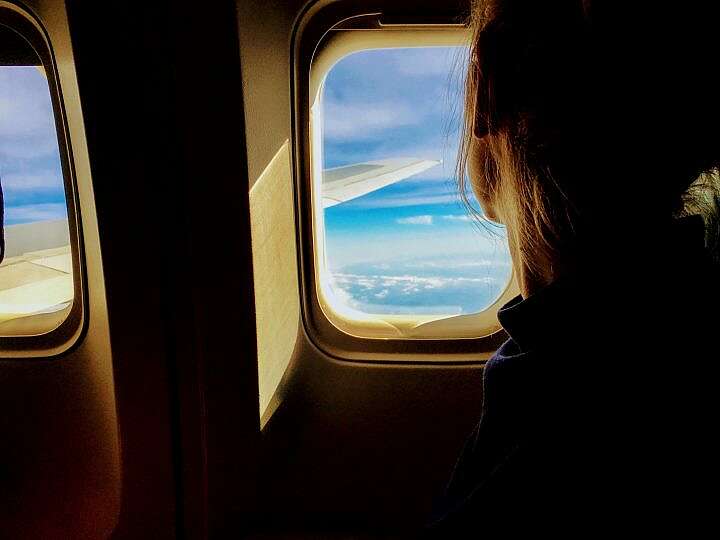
[[505, 355], [503, 368]]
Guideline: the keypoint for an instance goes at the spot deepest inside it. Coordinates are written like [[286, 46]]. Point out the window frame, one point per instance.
[[67, 334], [316, 50]]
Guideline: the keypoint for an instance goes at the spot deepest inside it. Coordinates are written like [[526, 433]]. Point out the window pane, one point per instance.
[[391, 121], [36, 277]]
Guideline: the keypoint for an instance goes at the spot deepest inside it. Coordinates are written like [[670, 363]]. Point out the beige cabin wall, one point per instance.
[[277, 301]]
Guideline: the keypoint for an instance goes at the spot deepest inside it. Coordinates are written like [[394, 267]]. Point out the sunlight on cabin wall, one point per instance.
[[277, 301]]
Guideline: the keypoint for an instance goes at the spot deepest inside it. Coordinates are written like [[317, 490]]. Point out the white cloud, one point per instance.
[[457, 217], [362, 121], [23, 115], [439, 285], [438, 63], [415, 220], [28, 126], [412, 294]]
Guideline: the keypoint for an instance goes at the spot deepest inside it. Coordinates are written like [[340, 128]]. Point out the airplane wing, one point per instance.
[[342, 184], [36, 277]]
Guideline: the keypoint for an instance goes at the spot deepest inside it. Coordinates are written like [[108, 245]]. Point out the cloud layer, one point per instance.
[[411, 294], [422, 287]]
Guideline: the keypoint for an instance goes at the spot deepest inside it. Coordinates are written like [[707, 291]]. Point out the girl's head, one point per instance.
[[585, 118]]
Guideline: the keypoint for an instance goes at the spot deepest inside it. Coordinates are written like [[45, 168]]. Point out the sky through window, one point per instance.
[[411, 247], [30, 166]]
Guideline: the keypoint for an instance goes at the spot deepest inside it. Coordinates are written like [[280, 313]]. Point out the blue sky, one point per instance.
[[29, 158], [410, 247]]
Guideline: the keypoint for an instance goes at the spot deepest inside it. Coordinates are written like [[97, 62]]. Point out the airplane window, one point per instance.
[[36, 274], [396, 239]]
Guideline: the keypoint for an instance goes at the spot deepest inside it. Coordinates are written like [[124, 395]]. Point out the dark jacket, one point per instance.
[[600, 412]]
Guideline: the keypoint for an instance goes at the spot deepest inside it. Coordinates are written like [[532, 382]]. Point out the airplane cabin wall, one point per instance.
[[352, 446], [163, 104], [150, 427], [60, 454]]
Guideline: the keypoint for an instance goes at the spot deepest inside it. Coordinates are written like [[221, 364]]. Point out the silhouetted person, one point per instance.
[[591, 133]]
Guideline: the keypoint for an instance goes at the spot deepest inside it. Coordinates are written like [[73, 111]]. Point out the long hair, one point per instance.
[[577, 110]]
